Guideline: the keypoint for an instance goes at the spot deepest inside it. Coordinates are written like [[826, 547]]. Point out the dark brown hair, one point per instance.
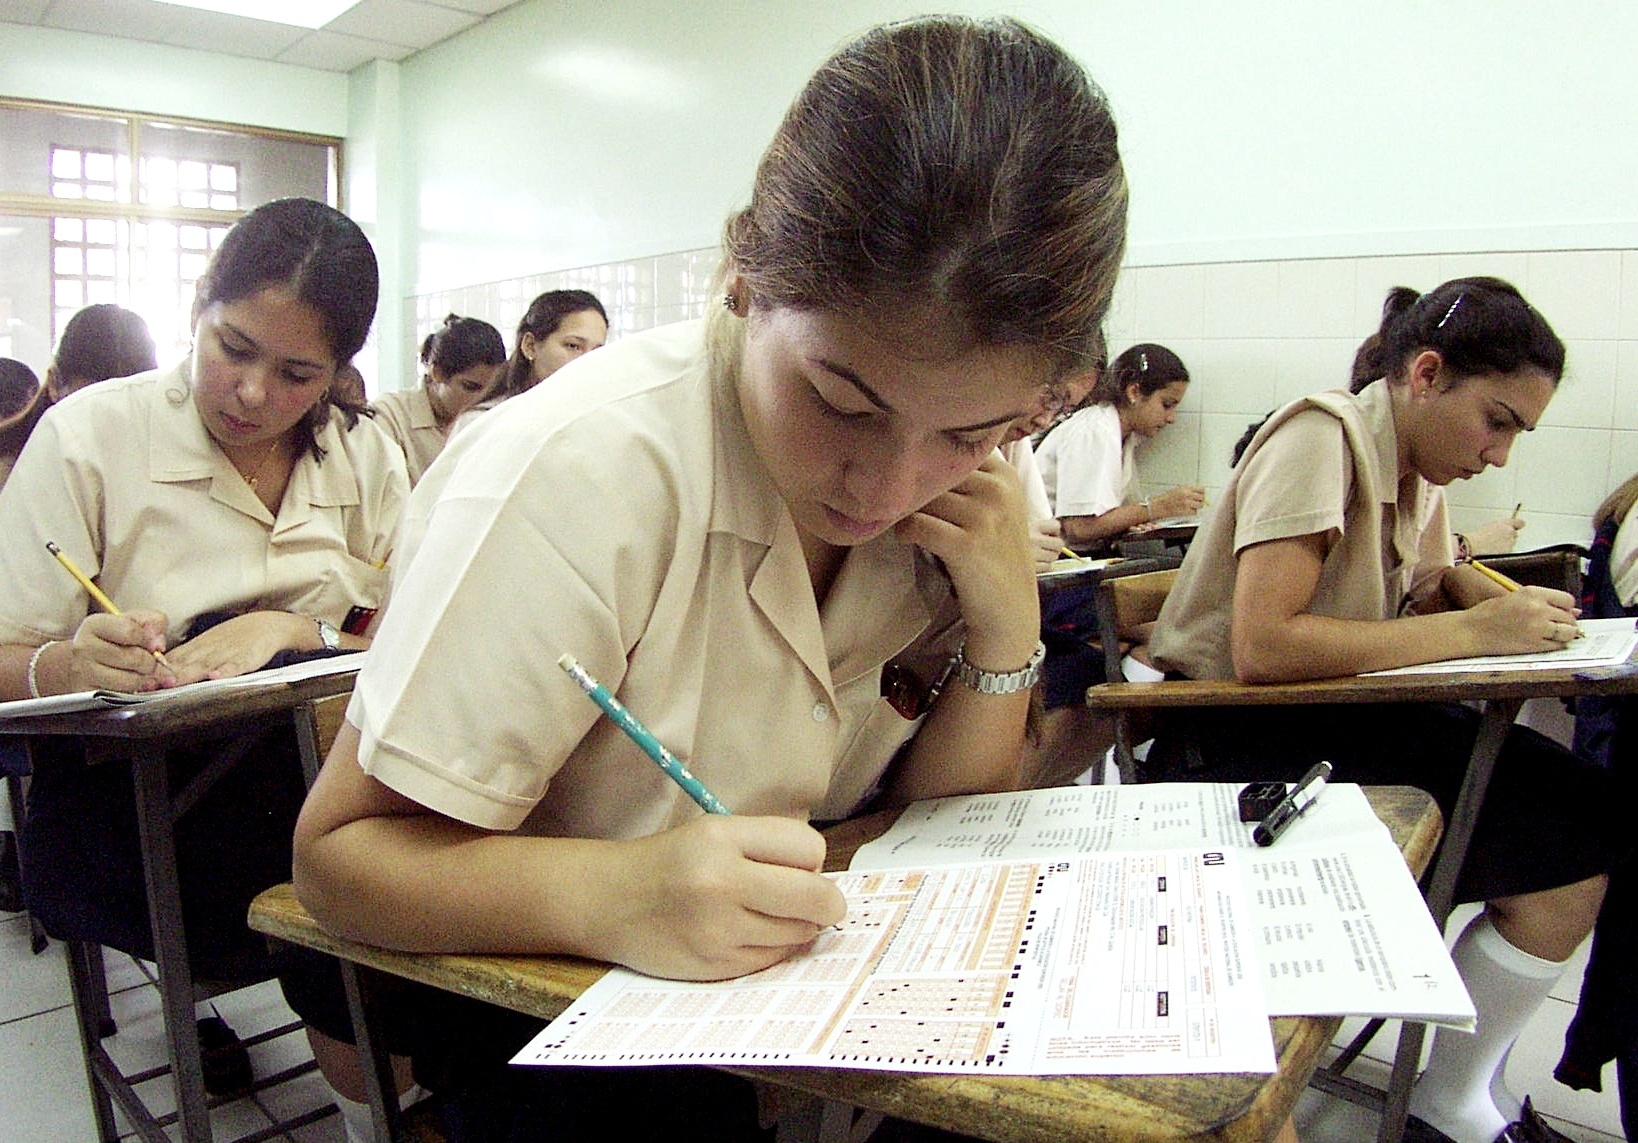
[[460, 343], [1476, 325], [966, 165], [541, 320], [1148, 366], [103, 341], [323, 257]]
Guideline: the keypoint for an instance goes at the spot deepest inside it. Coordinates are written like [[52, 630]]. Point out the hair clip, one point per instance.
[[1450, 311], [1143, 361]]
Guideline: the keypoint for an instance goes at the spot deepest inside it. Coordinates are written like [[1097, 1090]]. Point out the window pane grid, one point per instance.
[[150, 266], [97, 177]]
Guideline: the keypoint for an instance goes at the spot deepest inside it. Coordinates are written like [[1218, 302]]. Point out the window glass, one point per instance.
[[102, 206]]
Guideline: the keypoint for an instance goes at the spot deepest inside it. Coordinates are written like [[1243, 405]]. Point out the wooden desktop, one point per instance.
[[1234, 1108]]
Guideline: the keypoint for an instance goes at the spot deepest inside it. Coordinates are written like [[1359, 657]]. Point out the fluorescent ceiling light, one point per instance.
[[300, 13]]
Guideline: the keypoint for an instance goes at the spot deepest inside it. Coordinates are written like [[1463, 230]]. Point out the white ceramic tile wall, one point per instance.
[[1257, 334]]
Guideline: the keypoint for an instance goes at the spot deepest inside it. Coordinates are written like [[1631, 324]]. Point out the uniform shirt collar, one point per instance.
[[181, 449]]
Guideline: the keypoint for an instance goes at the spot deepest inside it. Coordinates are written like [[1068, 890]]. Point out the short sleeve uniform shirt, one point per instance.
[[408, 418], [1085, 465], [124, 477], [620, 515], [1326, 463]]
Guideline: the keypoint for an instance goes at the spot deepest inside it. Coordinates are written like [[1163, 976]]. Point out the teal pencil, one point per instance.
[[642, 736]]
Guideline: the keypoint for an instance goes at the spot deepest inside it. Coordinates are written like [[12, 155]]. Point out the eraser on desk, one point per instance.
[[1258, 799]]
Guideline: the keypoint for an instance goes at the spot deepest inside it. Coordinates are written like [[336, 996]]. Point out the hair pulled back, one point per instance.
[[461, 343], [1148, 366], [325, 260], [1477, 325], [541, 320], [103, 341], [966, 165]]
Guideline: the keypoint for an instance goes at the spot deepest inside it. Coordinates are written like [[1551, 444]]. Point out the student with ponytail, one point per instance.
[[1330, 555], [462, 358], [1089, 462]]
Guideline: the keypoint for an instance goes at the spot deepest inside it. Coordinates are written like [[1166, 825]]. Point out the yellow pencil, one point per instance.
[[94, 591], [1496, 576], [1067, 554]]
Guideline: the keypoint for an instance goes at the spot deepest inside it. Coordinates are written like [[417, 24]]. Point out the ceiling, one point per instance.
[[373, 30]]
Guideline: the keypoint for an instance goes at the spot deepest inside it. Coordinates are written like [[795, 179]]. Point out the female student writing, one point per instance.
[[99, 342], [1330, 555], [236, 509], [461, 359], [1089, 462], [558, 326], [740, 526]]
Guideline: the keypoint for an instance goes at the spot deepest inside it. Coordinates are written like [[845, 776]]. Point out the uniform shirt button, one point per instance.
[[820, 712]]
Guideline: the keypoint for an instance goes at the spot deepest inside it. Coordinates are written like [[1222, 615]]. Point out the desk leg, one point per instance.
[[158, 838], [821, 1120], [380, 1085], [1494, 725]]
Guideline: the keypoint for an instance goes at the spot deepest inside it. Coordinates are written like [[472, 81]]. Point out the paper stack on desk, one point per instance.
[[108, 700], [1091, 930], [1339, 926]]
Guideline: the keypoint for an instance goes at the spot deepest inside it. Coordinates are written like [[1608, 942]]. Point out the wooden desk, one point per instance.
[[140, 737], [1235, 1108], [1499, 695], [1166, 539]]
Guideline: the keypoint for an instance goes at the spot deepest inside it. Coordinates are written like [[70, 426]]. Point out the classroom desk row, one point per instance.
[[1242, 1109]]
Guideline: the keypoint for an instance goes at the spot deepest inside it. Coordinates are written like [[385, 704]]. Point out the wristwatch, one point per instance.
[[1000, 682], [328, 635]]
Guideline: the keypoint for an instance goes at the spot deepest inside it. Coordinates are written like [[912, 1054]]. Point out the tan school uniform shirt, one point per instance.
[[124, 477], [621, 516], [1327, 463], [408, 418]]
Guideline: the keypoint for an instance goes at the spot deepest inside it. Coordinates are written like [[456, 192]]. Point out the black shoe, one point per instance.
[[1419, 1130], [1529, 1127], [11, 881], [225, 1060], [1532, 1128]]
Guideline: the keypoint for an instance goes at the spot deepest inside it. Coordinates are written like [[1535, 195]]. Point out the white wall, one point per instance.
[[595, 130], [1289, 162], [73, 67], [1278, 151]]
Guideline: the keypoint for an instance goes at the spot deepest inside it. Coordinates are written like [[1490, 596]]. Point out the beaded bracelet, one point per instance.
[[34, 667]]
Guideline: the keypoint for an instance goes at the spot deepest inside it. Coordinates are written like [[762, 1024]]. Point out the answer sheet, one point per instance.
[[1602, 643], [1323, 899], [1109, 964]]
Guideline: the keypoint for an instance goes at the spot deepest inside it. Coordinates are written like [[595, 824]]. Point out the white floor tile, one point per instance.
[[29, 983], [43, 1088]]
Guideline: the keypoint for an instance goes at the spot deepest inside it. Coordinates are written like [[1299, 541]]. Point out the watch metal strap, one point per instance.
[[1001, 682]]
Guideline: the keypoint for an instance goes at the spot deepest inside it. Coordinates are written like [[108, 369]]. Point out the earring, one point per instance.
[[730, 302]]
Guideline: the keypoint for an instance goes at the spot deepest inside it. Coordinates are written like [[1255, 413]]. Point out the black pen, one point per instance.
[[1302, 796]]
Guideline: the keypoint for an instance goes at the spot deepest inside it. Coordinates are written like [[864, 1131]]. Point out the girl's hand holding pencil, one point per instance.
[[113, 650]]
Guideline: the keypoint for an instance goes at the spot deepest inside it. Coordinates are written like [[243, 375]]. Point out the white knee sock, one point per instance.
[[1509, 1104], [1507, 985]]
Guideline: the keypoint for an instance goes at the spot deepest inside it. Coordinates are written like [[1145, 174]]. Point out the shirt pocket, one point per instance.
[[346, 585]]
